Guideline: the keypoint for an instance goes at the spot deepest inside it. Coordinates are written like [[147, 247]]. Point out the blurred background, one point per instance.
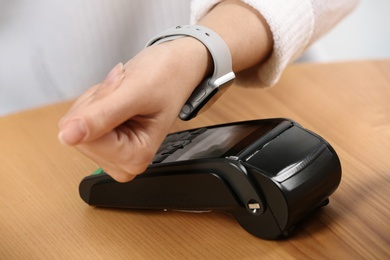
[[364, 34], [52, 37]]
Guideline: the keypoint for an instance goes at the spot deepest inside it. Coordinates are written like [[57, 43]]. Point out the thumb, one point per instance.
[[72, 132]]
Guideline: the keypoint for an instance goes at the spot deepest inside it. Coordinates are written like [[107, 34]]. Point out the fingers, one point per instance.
[[126, 151], [112, 169], [72, 132]]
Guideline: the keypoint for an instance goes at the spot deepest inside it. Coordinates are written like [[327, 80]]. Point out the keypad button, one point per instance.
[[175, 141]]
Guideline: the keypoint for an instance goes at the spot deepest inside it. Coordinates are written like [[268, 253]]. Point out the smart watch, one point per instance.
[[223, 74]]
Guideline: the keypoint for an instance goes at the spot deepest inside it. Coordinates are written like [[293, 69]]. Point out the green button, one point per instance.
[[98, 171]]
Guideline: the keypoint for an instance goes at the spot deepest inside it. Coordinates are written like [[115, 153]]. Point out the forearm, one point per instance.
[[243, 29], [294, 26]]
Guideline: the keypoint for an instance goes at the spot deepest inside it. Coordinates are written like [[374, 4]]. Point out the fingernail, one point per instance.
[[115, 73], [72, 132]]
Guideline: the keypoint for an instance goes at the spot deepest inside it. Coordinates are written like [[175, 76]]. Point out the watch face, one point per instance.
[[205, 95]]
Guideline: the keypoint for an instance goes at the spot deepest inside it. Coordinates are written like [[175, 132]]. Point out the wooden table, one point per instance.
[[43, 217]]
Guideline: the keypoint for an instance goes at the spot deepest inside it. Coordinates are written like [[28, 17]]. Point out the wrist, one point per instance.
[[222, 75], [194, 61], [248, 35]]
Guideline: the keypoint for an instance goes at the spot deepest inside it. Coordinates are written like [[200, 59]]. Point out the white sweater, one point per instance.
[[295, 25], [55, 50]]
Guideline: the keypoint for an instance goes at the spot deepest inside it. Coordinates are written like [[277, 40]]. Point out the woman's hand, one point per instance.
[[121, 122]]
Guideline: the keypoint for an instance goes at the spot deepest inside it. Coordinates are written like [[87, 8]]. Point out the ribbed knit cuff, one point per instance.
[[291, 24]]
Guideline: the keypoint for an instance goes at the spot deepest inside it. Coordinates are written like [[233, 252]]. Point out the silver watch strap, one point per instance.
[[222, 75]]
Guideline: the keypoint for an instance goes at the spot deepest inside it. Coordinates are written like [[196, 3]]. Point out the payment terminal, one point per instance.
[[269, 174]]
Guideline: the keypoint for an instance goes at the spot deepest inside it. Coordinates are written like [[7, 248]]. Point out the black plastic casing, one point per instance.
[[269, 187]]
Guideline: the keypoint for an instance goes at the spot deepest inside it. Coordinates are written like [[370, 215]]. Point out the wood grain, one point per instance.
[[42, 216]]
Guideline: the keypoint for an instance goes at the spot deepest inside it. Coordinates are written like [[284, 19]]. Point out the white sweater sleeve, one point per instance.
[[295, 25]]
